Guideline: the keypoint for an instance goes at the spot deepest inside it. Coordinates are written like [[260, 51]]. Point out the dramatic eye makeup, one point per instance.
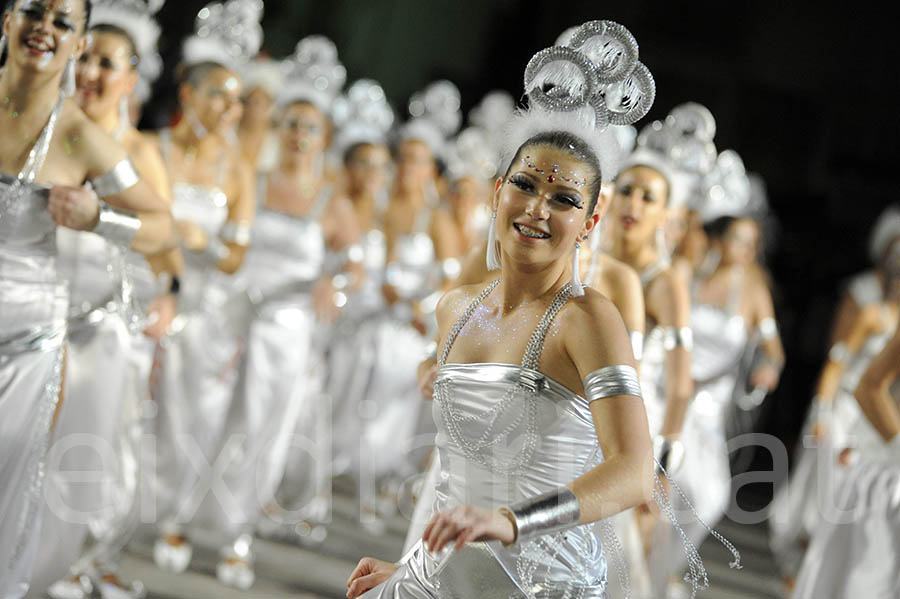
[[35, 11], [526, 183]]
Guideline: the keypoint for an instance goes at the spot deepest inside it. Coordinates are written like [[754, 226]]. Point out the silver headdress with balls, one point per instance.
[[681, 148], [228, 33], [136, 18], [362, 115], [591, 81], [435, 116], [313, 73]]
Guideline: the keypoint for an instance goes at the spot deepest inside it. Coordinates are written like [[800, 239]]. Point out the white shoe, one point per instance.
[[173, 558], [110, 589], [74, 587], [236, 573]]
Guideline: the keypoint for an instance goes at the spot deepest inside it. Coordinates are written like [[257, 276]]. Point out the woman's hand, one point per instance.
[[369, 573], [323, 301], [467, 524], [192, 236], [162, 311], [73, 207], [427, 375]]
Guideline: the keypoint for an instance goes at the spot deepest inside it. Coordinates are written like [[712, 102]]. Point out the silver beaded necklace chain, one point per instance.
[[526, 388]]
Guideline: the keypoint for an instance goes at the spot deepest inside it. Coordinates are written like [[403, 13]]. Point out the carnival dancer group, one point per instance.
[[539, 328]]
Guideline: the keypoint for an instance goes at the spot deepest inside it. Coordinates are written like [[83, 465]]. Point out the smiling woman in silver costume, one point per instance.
[[531, 451], [48, 150]]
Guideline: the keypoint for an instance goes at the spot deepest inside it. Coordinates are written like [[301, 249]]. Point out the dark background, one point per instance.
[[806, 93]]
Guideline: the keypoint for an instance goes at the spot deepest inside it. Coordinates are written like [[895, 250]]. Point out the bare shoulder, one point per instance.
[[591, 325], [619, 275], [454, 303]]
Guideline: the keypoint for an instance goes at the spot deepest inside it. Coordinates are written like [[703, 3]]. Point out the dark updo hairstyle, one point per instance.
[[573, 146], [193, 74], [115, 30], [718, 228]]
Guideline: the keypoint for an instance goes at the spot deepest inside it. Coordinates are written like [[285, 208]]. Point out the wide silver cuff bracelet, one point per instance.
[[121, 177], [236, 233], [674, 338], [637, 345], [611, 381], [545, 514], [668, 454], [117, 226], [215, 251]]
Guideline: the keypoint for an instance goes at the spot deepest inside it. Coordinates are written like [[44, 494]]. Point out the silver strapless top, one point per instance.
[[26, 228], [286, 249], [720, 339], [506, 433]]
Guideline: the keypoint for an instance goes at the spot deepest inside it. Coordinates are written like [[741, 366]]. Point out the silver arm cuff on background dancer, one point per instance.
[[117, 226], [215, 250], [236, 233], [674, 338], [548, 513], [768, 329], [121, 177], [611, 381], [637, 345], [838, 352], [668, 454]]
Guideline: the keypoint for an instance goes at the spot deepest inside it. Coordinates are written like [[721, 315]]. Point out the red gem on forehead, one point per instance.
[[551, 178]]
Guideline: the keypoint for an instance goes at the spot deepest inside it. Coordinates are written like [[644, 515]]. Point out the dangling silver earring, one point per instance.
[[493, 247], [2, 44], [197, 127], [662, 247], [577, 287], [67, 83]]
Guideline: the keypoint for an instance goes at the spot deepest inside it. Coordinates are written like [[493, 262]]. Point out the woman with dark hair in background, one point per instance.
[[214, 202], [105, 317], [54, 149]]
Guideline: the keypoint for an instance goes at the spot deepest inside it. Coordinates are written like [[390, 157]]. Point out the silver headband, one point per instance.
[[611, 381], [121, 177]]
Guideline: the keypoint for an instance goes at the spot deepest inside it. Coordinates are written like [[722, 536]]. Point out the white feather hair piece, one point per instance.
[[136, 18], [363, 115], [313, 73], [264, 74], [885, 231], [525, 124]]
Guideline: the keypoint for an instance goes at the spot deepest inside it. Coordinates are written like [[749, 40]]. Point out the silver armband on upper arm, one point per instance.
[[838, 352], [121, 177], [236, 233], [637, 345], [117, 226], [768, 329], [674, 338], [611, 381]]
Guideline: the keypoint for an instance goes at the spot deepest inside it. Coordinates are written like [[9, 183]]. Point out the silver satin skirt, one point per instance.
[[473, 572], [32, 333]]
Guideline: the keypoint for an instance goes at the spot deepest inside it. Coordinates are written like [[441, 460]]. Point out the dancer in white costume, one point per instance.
[[214, 202], [512, 433], [664, 172], [866, 320], [106, 310], [278, 406], [48, 142], [363, 119], [854, 550]]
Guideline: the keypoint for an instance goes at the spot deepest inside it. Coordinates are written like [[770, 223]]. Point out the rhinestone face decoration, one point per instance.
[[554, 173]]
